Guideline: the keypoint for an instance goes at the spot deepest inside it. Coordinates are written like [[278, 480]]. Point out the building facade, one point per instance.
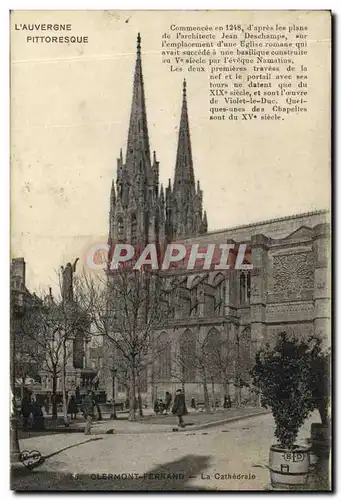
[[220, 317]]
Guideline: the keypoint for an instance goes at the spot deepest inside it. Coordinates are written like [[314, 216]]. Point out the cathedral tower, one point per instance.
[[137, 212], [140, 211], [184, 201]]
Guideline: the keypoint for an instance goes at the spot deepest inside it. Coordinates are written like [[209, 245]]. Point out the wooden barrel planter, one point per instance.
[[289, 468]]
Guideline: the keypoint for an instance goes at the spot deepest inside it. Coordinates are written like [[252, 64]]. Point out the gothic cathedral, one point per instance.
[[141, 211], [231, 315]]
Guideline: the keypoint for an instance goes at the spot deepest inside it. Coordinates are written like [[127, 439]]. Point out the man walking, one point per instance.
[[179, 407]]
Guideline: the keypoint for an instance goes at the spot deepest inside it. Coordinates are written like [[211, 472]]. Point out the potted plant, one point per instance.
[[282, 374]]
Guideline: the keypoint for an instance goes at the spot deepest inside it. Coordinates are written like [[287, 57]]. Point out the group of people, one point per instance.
[[32, 412], [163, 407], [179, 408], [87, 405], [30, 408]]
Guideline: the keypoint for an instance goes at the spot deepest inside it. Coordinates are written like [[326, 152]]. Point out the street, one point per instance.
[[228, 457]]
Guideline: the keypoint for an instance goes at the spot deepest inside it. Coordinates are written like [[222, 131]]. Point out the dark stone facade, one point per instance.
[[288, 288]]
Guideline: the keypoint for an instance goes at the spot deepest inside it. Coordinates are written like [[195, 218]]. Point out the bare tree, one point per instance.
[[26, 357], [50, 328], [219, 353], [128, 309]]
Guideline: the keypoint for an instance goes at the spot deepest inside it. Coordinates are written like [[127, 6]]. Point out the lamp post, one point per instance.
[[14, 441], [114, 373]]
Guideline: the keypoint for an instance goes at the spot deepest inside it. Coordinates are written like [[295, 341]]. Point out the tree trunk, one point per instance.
[[238, 392], [132, 395], [139, 397], [226, 387], [213, 396], [206, 396], [23, 378], [238, 376], [54, 395], [65, 402]]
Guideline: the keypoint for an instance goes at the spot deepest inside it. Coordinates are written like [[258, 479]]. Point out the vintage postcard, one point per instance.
[[170, 250]]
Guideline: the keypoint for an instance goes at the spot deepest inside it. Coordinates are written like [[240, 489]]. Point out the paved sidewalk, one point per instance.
[[152, 423], [230, 457], [192, 422]]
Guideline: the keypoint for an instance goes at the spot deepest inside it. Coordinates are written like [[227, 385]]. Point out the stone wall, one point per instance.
[[290, 291]]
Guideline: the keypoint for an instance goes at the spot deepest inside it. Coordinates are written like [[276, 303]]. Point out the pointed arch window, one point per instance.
[[120, 229], [187, 356], [248, 287], [213, 354], [245, 288], [133, 225], [163, 362]]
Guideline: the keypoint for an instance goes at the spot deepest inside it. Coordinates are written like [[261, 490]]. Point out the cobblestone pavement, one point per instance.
[[233, 456]]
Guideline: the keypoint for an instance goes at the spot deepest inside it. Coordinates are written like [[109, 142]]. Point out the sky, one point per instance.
[[70, 108]]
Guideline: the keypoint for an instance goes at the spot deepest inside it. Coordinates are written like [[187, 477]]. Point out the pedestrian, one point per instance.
[[38, 417], [168, 400], [96, 411], [46, 405], [26, 409], [161, 406], [87, 405], [72, 408], [78, 394], [193, 404], [179, 407], [156, 406]]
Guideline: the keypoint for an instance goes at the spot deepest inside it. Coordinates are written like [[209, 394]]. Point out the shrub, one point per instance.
[[287, 378]]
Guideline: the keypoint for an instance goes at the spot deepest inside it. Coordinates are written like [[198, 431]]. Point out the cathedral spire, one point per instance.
[[184, 173], [138, 139], [185, 213]]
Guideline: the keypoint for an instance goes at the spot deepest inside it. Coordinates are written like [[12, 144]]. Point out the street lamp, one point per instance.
[[114, 373], [14, 441]]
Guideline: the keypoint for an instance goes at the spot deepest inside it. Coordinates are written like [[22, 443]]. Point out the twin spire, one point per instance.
[[138, 138], [180, 206], [184, 172]]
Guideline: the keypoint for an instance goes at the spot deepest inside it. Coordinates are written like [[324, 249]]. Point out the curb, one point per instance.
[[61, 430], [190, 428], [225, 421]]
